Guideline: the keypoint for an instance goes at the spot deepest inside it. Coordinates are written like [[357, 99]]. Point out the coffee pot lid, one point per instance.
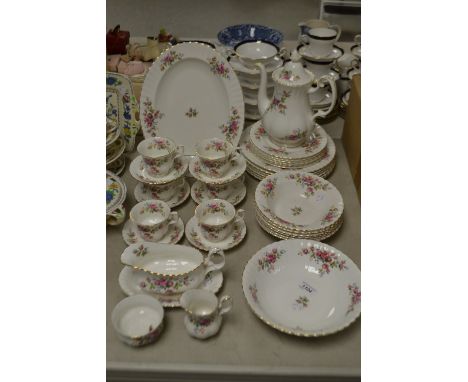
[[293, 72]]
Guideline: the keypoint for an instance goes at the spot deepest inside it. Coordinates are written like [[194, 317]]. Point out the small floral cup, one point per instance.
[[164, 192], [159, 154], [216, 218], [215, 155], [153, 218], [203, 312]]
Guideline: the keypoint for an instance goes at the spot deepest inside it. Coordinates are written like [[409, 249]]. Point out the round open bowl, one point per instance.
[[235, 34], [253, 52], [138, 320]]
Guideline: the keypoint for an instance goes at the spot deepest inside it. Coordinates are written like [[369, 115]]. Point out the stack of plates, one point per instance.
[[115, 147], [265, 158], [295, 204]]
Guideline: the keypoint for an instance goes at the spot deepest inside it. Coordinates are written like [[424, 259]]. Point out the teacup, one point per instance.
[[138, 320], [223, 191], [251, 52], [203, 312], [305, 26], [164, 192], [159, 154], [153, 218], [171, 268], [215, 155], [216, 218], [320, 40]]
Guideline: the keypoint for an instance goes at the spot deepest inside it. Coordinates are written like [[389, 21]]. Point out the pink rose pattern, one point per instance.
[[287, 75], [215, 207], [201, 323], [151, 208], [309, 182], [267, 262], [169, 58], [279, 103], [216, 146], [253, 291], [268, 188], [164, 285], [355, 293], [331, 215], [149, 338], [219, 68], [231, 128], [328, 260], [158, 143], [260, 132], [151, 117]]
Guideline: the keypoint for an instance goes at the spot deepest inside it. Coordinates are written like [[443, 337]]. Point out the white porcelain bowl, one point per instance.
[[138, 320], [254, 52]]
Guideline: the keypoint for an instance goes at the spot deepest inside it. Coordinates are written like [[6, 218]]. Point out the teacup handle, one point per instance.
[[322, 113], [282, 52], [210, 265], [304, 39], [117, 216], [240, 214], [225, 304], [338, 31]]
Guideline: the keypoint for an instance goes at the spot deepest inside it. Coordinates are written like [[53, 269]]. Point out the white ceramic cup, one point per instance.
[[159, 154], [164, 192], [320, 40], [153, 218], [304, 26], [223, 191], [215, 155], [252, 52], [216, 218]]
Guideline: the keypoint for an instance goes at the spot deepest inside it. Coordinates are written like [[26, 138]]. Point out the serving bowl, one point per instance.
[[235, 34]]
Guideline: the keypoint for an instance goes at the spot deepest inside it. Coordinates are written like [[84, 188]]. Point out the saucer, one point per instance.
[[143, 192], [139, 172], [133, 281], [270, 67], [201, 193], [173, 235], [196, 238], [238, 166], [356, 51], [336, 53]]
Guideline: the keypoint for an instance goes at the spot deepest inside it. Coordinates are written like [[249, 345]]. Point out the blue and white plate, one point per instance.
[[235, 34]]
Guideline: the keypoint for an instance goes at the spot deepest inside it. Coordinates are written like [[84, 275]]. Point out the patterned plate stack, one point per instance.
[[264, 157]]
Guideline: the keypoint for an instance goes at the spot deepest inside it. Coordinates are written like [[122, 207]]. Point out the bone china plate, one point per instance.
[[303, 287], [299, 200], [192, 93]]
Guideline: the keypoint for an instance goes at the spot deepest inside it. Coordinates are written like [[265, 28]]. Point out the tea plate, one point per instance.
[[196, 238], [299, 200], [238, 166], [174, 234], [116, 191], [143, 192], [336, 53], [235, 34], [139, 172], [115, 150], [303, 287], [192, 93], [200, 192], [134, 281], [261, 141]]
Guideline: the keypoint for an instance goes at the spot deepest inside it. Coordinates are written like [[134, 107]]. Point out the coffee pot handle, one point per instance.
[[322, 113], [225, 304]]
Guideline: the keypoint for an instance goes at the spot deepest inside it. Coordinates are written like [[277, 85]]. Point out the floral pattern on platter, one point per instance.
[[279, 104], [253, 291], [191, 113], [355, 293], [219, 68], [152, 208], [230, 129], [215, 207], [159, 144], [288, 76], [268, 188], [200, 324], [301, 302], [296, 210], [112, 191], [328, 260], [267, 262], [165, 284], [310, 183], [260, 132], [169, 58], [331, 215], [140, 251], [149, 338], [151, 116], [272, 215]]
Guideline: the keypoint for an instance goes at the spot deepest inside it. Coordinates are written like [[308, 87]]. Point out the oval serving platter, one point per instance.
[[191, 93]]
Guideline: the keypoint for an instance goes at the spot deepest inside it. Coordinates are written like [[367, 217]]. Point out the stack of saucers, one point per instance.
[[295, 204], [219, 172], [115, 147], [264, 157], [160, 170]]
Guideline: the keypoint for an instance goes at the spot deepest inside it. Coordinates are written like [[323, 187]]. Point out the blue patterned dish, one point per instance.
[[235, 34]]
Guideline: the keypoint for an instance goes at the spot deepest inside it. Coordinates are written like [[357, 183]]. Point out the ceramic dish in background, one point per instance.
[[138, 320], [303, 287], [171, 104], [252, 52], [336, 53], [116, 191], [235, 34]]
